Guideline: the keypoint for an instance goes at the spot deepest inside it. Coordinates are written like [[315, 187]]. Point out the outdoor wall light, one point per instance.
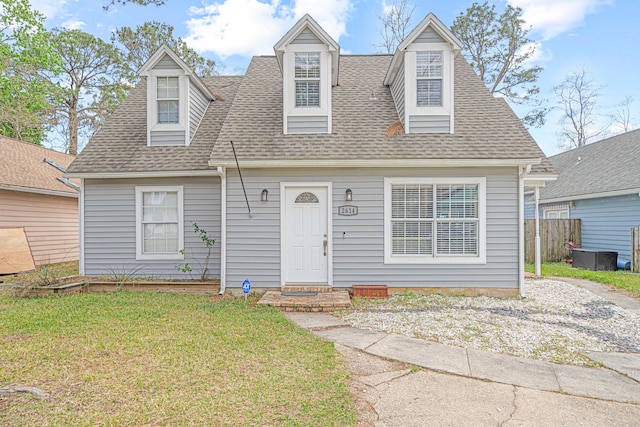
[[348, 195], [264, 196]]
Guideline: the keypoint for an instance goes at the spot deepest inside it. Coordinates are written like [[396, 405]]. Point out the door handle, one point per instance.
[[324, 245]]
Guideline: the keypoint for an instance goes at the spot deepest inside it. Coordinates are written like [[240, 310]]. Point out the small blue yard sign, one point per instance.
[[246, 286]]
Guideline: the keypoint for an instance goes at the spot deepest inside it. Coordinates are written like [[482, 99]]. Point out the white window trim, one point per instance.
[[556, 208], [411, 91], [437, 259], [289, 84], [152, 104], [140, 255]]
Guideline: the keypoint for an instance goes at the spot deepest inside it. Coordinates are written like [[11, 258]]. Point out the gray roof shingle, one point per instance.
[[251, 117], [612, 164], [121, 144]]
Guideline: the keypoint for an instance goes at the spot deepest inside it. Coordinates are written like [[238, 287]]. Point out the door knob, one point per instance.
[[324, 245]]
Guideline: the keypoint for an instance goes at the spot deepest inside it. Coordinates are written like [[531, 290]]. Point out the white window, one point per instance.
[[429, 79], [159, 222], [434, 220], [168, 95], [307, 79], [556, 212]]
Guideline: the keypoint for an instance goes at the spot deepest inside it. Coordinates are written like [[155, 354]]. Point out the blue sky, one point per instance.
[[600, 36]]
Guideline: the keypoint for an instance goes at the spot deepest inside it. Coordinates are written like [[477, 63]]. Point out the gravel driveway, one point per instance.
[[557, 322]]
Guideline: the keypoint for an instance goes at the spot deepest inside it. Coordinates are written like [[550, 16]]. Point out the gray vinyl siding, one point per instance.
[[307, 124], [166, 63], [253, 243], [397, 92], [174, 137], [429, 36], [529, 210], [197, 106], [607, 222], [306, 37], [110, 226], [429, 124]]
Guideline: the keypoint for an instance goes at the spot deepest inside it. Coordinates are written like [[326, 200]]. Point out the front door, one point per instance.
[[306, 244]]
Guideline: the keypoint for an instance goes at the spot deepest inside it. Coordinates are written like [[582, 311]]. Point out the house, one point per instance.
[[34, 195], [599, 184], [315, 167]]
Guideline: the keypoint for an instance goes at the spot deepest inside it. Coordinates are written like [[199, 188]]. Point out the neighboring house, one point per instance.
[[395, 169], [34, 195], [600, 185]]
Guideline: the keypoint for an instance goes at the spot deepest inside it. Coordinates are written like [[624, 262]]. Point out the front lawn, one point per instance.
[[137, 358], [622, 279]]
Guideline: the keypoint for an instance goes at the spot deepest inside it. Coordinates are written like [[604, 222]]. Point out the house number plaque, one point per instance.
[[347, 210]]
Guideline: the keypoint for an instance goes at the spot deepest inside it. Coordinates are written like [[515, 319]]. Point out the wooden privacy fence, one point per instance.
[[635, 249], [553, 235]]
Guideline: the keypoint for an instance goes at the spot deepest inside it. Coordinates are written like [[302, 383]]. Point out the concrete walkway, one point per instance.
[[486, 388]]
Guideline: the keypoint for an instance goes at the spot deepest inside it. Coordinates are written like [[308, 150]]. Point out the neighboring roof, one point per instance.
[[610, 165], [485, 127], [23, 167], [121, 143]]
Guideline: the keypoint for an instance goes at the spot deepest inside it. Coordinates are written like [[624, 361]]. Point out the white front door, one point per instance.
[[306, 234]]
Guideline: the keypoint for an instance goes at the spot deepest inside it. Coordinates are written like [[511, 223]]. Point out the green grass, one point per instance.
[[137, 358], [622, 279]]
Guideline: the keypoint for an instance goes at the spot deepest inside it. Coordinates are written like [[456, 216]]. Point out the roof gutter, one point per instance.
[[376, 163], [635, 190], [151, 174], [39, 191]]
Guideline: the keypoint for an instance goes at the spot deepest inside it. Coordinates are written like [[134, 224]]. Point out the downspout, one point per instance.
[[223, 229], [537, 217], [81, 229], [522, 173]]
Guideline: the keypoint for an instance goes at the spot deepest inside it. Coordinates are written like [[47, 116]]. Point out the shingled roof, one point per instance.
[[23, 167], [121, 144], [610, 165], [485, 127]]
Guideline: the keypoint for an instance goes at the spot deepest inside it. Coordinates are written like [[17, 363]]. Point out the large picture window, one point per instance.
[[307, 79], [434, 220], [429, 79], [159, 224]]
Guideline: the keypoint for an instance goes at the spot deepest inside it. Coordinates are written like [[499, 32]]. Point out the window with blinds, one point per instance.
[[307, 79], [434, 219], [429, 79]]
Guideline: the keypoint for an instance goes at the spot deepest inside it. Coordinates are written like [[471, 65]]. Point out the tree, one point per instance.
[[92, 83], [141, 43], [499, 50], [395, 22], [577, 96], [25, 50], [622, 116], [140, 2]]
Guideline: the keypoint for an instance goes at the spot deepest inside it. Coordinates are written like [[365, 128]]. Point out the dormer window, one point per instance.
[[429, 79], [168, 94], [307, 79]]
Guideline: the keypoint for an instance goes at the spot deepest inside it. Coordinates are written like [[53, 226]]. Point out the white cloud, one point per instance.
[[73, 24], [49, 8], [252, 27], [553, 17]]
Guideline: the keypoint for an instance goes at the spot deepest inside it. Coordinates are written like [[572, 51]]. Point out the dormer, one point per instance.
[[421, 77], [176, 99], [308, 58]]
